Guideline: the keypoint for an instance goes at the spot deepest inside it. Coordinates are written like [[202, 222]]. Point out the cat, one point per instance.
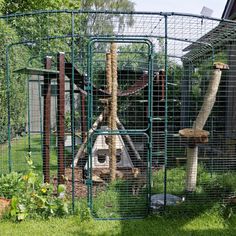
[[139, 180]]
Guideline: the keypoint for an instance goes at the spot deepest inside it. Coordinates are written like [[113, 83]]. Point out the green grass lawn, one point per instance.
[[207, 223], [19, 150], [200, 214]]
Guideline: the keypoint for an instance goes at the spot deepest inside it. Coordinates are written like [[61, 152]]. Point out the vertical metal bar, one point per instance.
[[83, 115], [162, 76], [40, 114], [46, 122], [150, 115], [28, 112], [8, 109], [166, 110], [212, 135], [61, 117], [89, 124], [72, 111]]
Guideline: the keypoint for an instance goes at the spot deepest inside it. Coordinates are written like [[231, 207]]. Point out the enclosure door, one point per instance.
[[119, 87]]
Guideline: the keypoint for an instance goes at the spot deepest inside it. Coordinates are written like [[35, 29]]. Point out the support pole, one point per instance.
[[46, 122], [162, 78], [61, 116], [113, 111], [83, 114]]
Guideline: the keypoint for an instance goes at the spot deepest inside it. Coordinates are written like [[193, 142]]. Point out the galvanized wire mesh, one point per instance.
[[164, 66]]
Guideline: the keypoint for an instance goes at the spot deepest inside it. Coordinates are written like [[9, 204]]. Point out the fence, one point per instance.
[[126, 109]]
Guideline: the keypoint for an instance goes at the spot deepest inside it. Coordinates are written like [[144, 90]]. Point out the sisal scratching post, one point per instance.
[[197, 135], [113, 110], [109, 115], [109, 86]]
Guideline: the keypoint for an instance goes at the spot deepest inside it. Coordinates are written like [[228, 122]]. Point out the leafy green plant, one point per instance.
[[9, 184], [68, 120], [30, 197], [228, 181]]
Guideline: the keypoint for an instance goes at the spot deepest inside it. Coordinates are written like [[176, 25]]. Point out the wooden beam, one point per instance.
[[47, 72]]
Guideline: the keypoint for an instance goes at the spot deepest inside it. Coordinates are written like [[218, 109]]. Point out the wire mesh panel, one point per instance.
[[127, 195], [133, 65], [172, 105], [120, 104]]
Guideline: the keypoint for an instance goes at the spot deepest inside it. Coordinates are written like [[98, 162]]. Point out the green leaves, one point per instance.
[[30, 197], [61, 188], [9, 184]]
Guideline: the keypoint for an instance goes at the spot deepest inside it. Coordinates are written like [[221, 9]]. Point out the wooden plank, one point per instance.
[[36, 71]]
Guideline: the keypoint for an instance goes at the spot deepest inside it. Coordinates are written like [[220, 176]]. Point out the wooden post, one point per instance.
[[61, 116], [113, 110], [46, 122], [208, 103]]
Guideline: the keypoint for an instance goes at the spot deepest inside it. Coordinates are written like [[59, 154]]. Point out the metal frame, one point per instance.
[[89, 88], [147, 131]]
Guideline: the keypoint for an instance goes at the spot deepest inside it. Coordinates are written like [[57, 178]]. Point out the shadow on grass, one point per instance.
[[118, 202], [199, 214]]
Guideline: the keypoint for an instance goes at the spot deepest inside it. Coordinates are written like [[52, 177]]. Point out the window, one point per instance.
[[101, 158], [118, 157]]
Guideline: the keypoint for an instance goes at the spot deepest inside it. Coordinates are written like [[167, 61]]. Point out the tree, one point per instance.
[[39, 30], [17, 87], [14, 6]]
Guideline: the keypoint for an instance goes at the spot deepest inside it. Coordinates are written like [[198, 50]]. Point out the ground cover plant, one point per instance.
[[30, 197]]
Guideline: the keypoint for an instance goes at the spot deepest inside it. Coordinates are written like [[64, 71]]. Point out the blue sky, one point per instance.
[[184, 6]]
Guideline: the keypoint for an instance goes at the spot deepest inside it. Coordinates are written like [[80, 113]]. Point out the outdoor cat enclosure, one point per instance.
[[121, 106]]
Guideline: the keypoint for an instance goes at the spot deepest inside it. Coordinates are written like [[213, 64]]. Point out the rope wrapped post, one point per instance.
[[197, 134], [109, 89], [112, 83]]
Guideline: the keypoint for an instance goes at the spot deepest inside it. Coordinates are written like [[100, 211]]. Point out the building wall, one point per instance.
[[36, 104]]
